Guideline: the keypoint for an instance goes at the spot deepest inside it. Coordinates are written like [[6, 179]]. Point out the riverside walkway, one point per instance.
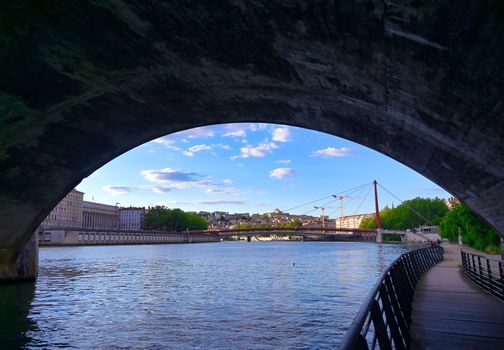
[[450, 312]]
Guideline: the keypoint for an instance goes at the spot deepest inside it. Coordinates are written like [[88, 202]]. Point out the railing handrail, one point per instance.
[[489, 275], [481, 255], [363, 312], [411, 265]]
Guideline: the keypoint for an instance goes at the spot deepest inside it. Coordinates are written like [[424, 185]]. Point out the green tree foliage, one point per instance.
[[475, 232], [162, 218], [405, 216]]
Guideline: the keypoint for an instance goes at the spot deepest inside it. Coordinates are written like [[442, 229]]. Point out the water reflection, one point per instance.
[[381, 263], [260, 295], [15, 325]]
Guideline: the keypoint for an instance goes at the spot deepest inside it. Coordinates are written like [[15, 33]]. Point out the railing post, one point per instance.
[[482, 275], [379, 325], [479, 269], [395, 317], [501, 273], [473, 264]]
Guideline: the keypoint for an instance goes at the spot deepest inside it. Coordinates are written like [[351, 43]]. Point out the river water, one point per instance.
[[229, 295]]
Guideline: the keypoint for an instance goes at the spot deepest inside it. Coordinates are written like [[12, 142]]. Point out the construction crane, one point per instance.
[[341, 208], [323, 216]]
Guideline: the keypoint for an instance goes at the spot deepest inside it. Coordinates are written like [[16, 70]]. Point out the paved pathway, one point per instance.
[[450, 312]]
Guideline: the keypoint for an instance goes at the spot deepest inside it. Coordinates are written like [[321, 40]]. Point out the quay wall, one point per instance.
[[74, 236]]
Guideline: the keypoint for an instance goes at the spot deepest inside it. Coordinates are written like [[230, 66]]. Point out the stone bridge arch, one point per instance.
[[81, 83]]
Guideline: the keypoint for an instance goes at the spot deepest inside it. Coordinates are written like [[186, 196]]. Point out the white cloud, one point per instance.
[[160, 189], [227, 181], [118, 190], [257, 126], [281, 135], [332, 152], [221, 146], [167, 175], [186, 135], [168, 142], [236, 133], [213, 190], [199, 148], [284, 161], [201, 132], [177, 179], [260, 151], [280, 173], [165, 140]]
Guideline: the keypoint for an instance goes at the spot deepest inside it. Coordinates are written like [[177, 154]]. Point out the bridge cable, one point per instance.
[[365, 197], [409, 207], [317, 200], [323, 205], [336, 197], [352, 197], [302, 205]]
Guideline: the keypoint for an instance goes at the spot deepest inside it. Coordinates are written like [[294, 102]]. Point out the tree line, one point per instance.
[[410, 214], [475, 232], [417, 212], [162, 218]]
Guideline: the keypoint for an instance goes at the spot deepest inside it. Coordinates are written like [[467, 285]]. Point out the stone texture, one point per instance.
[[81, 83], [20, 264]]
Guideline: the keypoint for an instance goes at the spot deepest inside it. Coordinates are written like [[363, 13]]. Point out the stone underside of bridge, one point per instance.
[[20, 264], [81, 83]]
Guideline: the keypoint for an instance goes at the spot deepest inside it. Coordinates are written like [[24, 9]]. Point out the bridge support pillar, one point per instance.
[[20, 265], [249, 238], [379, 235]]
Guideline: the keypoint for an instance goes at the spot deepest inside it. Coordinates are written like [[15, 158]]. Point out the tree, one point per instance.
[[410, 214], [162, 218], [475, 232]]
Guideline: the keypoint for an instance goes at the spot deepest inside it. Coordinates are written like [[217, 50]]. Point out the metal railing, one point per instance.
[[383, 321], [487, 273]]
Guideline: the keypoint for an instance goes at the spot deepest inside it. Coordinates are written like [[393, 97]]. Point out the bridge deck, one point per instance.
[[450, 312]]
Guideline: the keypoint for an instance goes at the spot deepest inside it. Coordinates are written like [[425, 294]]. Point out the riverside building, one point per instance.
[[352, 221], [67, 213], [131, 218], [98, 215]]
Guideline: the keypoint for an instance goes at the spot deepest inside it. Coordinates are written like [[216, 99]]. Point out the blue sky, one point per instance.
[[255, 168]]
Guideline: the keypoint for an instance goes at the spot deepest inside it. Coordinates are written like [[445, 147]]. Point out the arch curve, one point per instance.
[[82, 84]]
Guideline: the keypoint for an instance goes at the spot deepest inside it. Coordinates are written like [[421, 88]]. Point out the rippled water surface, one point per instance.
[[230, 295]]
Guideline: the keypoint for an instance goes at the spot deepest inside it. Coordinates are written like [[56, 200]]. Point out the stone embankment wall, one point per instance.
[[62, 237]]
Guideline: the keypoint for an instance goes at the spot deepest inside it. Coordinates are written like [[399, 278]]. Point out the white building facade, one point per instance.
[[352, 221], [100, 216], [67, 213], [131, 218]]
